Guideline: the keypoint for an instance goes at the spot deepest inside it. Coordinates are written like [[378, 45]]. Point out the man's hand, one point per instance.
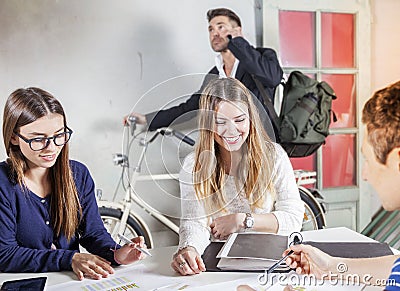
[[223, 226], [244, 288], [140, 118], [309, 260], [235, 32], [188, 262]]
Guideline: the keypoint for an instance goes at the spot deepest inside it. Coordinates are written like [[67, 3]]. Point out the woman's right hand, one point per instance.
[[187, 261], [91, 266]]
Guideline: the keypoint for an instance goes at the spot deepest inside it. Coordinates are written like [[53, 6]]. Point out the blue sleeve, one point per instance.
[[93, 235], [262, 63], [393, 283], [15, 258]]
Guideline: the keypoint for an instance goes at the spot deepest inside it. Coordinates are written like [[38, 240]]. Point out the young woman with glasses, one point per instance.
[[47, 202]]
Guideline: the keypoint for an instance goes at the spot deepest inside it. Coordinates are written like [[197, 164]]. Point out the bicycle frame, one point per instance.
[[308, 178], [132, 197]]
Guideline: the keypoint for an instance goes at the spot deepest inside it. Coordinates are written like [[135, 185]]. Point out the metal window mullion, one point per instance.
[[318, 66], [318, 44]]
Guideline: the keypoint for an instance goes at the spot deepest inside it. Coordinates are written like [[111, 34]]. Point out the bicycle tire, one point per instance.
[[313, 210], [111, 218]]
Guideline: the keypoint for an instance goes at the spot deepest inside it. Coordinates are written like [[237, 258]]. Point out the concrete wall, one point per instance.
[[385, 43], [100, 58], [385, 51]]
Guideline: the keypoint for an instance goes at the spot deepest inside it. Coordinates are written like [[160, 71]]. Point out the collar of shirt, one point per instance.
[[219, 63]]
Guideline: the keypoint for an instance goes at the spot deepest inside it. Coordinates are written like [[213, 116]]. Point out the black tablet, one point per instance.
[[30, 284]]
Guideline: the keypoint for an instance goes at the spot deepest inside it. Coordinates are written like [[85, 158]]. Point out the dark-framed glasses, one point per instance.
[[40, 143]]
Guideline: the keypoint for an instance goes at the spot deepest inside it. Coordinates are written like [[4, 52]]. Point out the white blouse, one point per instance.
[[288, 208]]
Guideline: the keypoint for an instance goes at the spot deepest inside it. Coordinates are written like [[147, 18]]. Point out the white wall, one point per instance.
[[98, 57], [385, 51], [385, 43]]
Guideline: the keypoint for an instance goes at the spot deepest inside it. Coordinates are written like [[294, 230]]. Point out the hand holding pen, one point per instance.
[[306, 259], [297, 239], [128, 241]]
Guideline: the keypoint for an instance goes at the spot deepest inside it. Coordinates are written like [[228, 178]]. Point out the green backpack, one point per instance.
[[303, 123]]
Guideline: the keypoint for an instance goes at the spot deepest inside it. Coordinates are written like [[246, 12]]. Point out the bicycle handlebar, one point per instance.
[[132, 124], [177, 134], [183, 137], [164, 131]]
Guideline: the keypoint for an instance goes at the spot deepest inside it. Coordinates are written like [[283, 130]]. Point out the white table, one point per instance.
[[160, 262]]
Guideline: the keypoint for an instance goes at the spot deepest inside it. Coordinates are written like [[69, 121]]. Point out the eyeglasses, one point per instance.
[[40, 143]]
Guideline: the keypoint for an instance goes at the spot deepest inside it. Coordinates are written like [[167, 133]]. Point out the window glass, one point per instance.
[[338, 164], [337, 40], [297, 38], [344, 106]]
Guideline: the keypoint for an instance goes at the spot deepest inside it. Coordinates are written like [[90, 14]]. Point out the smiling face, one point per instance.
[[46, 126], [232, 125], [384, 178], [218, 30]]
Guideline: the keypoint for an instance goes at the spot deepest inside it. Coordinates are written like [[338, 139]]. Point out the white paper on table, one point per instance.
[[136, 277], [279, 286], [249, 264]]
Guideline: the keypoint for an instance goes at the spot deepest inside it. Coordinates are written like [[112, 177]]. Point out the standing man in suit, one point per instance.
[[236, 59]]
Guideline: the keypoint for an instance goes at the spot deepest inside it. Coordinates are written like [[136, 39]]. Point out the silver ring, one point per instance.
[[181, 265]]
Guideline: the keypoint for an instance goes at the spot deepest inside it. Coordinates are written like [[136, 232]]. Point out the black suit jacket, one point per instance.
[[262, 63]]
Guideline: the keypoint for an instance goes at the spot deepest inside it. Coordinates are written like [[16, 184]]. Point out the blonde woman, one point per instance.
[[236, 179], [47, 202]]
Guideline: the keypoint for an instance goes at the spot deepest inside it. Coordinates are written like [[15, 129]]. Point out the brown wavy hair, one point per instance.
[[381, 115], [224, 12], [256, 168], [22, 107]]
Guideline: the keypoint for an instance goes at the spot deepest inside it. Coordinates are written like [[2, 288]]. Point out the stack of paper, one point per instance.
[[252, 252]]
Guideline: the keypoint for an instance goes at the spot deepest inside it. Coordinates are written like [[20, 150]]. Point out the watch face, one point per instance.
[[249, 222]]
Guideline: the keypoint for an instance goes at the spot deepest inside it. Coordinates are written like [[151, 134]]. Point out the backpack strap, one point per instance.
[[267, 104]]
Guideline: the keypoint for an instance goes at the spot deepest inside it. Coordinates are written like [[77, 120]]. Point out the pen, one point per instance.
[[276, 265], [296, 240], [128, 241]]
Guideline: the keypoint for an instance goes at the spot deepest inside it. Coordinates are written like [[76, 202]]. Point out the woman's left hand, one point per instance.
[[223, 226], [128, 253]]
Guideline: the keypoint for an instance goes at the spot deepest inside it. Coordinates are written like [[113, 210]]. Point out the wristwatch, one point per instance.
[[248, 221]]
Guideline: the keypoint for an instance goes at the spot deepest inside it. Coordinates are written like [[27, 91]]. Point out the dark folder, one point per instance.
[[337, 249], [353, 249]]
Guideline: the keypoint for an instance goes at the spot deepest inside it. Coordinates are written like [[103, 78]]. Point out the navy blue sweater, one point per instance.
[[394, 278], [26, 233]]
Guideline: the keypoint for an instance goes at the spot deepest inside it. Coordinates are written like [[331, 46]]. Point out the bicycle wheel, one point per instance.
[[112, 218], [313, 216]]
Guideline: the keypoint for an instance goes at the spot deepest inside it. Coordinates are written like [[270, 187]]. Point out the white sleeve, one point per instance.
[[288, 208], [193, 229]]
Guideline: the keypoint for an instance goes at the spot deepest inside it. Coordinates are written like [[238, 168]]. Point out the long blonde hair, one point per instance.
[[22, 107], [256, 168]]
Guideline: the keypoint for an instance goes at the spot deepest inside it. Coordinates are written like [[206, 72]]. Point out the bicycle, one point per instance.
[[314, 209], [119, 218]]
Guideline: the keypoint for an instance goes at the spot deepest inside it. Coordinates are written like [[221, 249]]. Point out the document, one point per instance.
[[307, 285], [252, 251], [323, 286], [135, 277]]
